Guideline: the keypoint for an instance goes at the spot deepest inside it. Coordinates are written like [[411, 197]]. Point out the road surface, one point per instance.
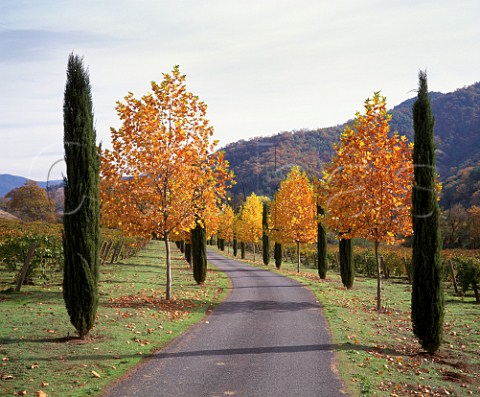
[[269, 338]]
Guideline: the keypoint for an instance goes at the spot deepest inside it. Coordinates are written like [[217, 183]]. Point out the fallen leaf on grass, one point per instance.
[[44, 384], [95, 374], [41, 393]]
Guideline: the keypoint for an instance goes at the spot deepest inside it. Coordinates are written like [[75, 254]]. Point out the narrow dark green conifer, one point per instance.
[[199, 253], [234, 246], [265, 237], [277, 253], [81, 236], [427, 289], [347, 270], [188, 253], [321, 246]]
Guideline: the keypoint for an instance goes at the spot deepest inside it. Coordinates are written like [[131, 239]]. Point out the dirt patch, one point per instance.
[[141, 301]]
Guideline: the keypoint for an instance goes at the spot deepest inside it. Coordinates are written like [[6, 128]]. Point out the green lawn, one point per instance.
[[37, 344], [377, 353]]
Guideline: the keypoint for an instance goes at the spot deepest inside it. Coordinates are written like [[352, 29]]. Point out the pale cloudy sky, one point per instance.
[[262, 66]]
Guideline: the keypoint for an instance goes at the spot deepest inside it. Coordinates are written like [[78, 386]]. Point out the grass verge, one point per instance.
[[377, 353], [38, 349]]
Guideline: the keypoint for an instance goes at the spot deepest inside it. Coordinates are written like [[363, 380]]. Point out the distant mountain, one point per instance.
[[260, 163], [9, 182]]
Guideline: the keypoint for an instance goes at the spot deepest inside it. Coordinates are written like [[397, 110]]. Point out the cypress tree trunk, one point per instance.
[[277, 252], [265, 237], [321, 247], [242, 250], [199, 253], [346, 263], [182, 246], [81, 236], [234, 247], [427, 289]]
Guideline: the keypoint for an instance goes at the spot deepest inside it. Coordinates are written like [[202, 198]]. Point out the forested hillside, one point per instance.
[[260, 163]]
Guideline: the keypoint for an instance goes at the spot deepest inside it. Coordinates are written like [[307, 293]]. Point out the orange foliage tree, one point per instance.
[[226, 227], [161, 174], [369, 181], [249, 227], [294, 211]]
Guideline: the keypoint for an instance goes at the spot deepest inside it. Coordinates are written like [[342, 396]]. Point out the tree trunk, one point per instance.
[[383, 264], [234, 247], [242, 250], [454, 278], [407, 269], [168, 293], [298, 256], [253, 246], [379, 278], [26, 265], [475, 291]]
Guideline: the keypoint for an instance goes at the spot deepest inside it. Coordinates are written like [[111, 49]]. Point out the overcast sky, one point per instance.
[[262, 66]]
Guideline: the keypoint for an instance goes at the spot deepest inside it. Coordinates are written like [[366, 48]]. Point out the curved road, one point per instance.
[[269, 338]]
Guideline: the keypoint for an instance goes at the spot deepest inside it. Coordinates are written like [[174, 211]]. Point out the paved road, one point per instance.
[[269, 338]]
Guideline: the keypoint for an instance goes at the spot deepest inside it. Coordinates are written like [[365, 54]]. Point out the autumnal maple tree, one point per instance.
[[161, 174], [249, 224], [369, 181], [294, 211]]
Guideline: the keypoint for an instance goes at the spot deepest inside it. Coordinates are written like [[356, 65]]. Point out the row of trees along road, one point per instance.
[[161, 178], [367, 192]]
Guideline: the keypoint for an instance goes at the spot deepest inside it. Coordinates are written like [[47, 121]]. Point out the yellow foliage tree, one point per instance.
[[293, 213], [161, 174], [249, 225], [226, 226], [369, 181]]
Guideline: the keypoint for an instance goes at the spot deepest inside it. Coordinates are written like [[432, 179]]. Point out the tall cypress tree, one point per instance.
[[234, 246], [188, 253], [277, 253], [427, 290], [81, 236], [321, 246], [199, 252], [347, 271], [265, 237]]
